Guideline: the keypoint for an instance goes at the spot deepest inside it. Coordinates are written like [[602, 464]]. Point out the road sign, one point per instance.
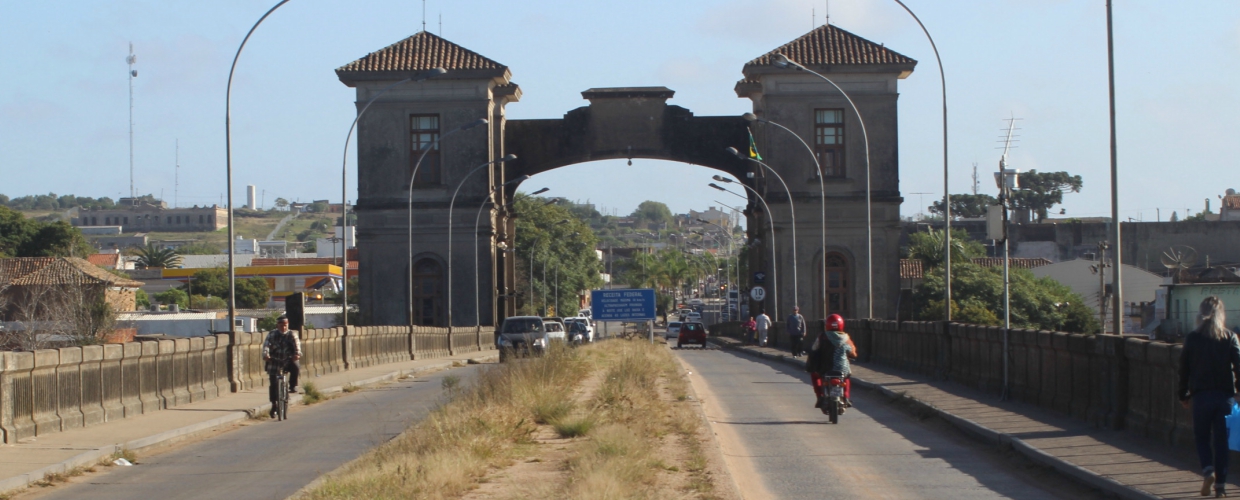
[[636, 304], [757, 293], [759, 277]]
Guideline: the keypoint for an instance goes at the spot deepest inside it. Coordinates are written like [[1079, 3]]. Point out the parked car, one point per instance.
[[589, 326], [691, 333], [694, 316], [673, 330], [521, 335], [555, 330]]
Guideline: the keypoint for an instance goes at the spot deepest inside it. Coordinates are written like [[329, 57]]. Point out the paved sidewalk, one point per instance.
[[1112, 461], [29, 461]]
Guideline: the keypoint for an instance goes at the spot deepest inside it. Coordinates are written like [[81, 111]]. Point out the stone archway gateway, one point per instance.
[[618, 123]]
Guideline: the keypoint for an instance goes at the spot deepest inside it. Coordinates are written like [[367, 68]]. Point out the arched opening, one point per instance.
[[839, 281], [427, 292]]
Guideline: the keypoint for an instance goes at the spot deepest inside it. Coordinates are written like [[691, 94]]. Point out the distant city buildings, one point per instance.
[[145, 216]]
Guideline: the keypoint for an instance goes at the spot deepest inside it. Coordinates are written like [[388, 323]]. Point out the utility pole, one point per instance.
[[176, 182], [131, 60]]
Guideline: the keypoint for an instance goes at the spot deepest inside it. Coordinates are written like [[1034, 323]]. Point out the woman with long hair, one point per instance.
[[1209, 381]]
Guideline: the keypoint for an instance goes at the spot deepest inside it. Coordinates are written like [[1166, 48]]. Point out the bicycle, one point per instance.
[[278, 390]]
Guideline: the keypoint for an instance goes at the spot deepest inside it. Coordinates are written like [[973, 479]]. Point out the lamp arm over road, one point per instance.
[[792, 208], [232, 243], [414, 175], [771, 218], [451, 205], [781, 59]]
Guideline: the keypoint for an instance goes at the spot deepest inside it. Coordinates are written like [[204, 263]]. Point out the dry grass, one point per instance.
[[310, 394]]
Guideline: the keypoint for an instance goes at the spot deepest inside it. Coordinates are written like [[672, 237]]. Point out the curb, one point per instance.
[[979, 432], [92, 457]]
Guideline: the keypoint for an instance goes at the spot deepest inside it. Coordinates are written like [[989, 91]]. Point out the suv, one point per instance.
[[521, 335], [691, 332]]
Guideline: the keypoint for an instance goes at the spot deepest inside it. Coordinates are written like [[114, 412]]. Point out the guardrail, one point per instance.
[[52, 390]]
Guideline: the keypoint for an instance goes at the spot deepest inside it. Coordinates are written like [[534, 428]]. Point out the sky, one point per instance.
[[64, 122]]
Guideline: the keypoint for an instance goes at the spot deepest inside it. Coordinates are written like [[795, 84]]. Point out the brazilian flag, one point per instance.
[[753, 147]]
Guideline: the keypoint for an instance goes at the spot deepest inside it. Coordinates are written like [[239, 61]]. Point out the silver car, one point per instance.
[[673, 330]]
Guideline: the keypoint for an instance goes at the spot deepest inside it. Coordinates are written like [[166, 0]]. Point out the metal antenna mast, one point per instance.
[[176, 180], [132, 73], [423, 15], [975, 181]]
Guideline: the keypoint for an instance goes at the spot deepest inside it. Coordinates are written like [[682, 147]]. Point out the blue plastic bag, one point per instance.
[[1233, 427]]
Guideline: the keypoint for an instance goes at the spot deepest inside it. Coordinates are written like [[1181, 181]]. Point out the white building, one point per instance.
[[331, 247]]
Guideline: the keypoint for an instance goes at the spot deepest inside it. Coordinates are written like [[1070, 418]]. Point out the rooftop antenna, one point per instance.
[[176, 182], [813, 18], [975, 182], [132, 73], [441, 25], [827, 13], [1008, 138], [423, 15]]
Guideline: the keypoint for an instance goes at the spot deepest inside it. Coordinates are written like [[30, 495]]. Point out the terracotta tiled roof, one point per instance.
[[26, 271], [421, 52], [828, 44], [104, 259], [1016, 262], [912, 269], [1231, 202], [301, 261]]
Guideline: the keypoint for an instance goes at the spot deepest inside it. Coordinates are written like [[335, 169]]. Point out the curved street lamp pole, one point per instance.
[[727, 262], [451, 206], [771, 218], [414, 175], [947, 205], [782, 61], [344, 186], [477, 220], [232, 243], [532, 258], [791, 207], [822, 190]]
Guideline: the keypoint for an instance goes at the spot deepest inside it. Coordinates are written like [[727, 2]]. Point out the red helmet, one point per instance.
[[835, 323]]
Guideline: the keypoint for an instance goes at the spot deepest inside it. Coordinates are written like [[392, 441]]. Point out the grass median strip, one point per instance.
[[602, 421]]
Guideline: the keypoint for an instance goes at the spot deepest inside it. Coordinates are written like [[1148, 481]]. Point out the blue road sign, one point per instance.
[[759, 277], [635, 304]]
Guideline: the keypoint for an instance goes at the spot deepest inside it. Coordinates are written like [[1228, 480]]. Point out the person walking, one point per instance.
[[1209, 381], [763, 324], [796, 331]]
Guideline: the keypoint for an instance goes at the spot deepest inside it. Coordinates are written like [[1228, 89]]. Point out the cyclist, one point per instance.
[[282, 350]]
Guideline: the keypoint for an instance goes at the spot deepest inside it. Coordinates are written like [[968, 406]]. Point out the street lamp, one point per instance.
[[414, 175], [791, 207], [822, 190], [782, 61], [451, 206], [947, 205], [232, 243], [344, 183], [774, 254], [730, 252], [477, 219], [1007, 180], [533, 249]]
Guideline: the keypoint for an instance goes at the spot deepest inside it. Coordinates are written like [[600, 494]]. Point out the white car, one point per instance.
[[584, 320], [673, 330], [694, 317]]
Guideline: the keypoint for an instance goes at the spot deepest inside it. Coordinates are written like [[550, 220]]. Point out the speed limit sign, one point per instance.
[[757, 293]]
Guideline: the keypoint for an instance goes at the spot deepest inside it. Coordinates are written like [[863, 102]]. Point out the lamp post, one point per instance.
[[736, 256], [947, 205], [791, 207], [771, 218], [1007, 179], [822, 192], [414, 175], [344, 183], [532, 259], [730, 252], [477, 219], [232, 243], [451, 206], [782, 61]]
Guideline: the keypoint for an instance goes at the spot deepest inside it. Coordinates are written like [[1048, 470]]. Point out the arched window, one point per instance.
[[427, 289], [838, 281]]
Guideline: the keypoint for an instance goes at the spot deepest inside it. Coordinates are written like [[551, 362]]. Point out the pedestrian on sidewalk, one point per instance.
[[1209, 381], [751, 331], [763, 324], [796, 331]]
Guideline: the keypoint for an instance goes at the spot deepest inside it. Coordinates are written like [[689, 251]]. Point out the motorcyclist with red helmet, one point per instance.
[[830, 353]]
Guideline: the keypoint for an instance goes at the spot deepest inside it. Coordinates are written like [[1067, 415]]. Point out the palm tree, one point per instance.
[[153, 257]]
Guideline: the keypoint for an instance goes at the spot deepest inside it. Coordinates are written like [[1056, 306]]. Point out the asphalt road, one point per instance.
[[771, 434], [272, 459]]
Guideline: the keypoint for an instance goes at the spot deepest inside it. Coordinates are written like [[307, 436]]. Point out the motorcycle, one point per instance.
[[832, 402]]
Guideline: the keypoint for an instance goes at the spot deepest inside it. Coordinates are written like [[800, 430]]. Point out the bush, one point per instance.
[[173, 296]]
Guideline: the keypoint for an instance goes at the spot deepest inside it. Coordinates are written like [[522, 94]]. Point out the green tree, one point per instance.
[[153, 257], [173, 296], [212, 281], [141, 300], [653, 214], [281, 203], [1039, 191], [977, 296], [15, 231], [568, 246], [929, 247], [253, 293], [966, 205]]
